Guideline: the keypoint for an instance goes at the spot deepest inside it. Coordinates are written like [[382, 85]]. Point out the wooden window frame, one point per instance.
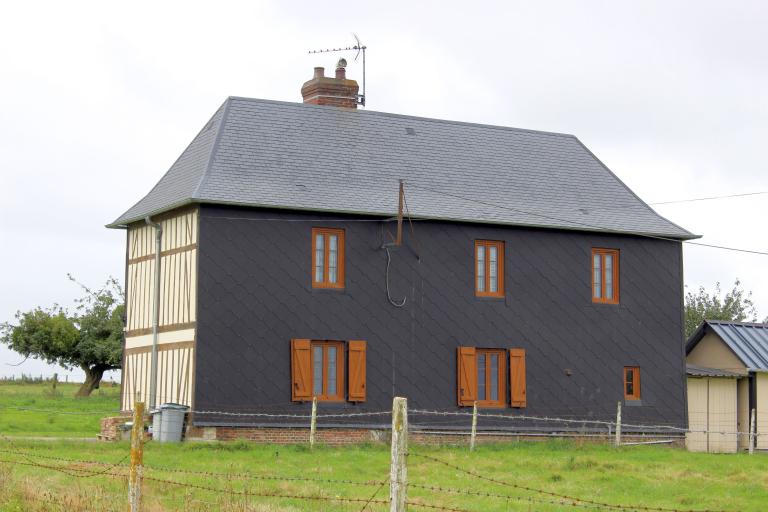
[[324, 397], [635, 370], [501, 373], [325, 283], [602, 253], [499, 245]]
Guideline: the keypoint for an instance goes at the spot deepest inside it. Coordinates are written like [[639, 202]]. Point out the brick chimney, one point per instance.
[[338, 91]]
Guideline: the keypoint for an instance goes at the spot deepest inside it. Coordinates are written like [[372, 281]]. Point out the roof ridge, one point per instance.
[[406, 116], [114, 224], [214, 146], [740, 324]]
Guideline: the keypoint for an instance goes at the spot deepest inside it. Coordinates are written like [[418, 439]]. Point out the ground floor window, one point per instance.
[[631, 383], [321, 369], [485, 375]]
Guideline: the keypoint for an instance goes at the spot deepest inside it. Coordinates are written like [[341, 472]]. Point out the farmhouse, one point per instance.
[[524, 276], [727, 378]]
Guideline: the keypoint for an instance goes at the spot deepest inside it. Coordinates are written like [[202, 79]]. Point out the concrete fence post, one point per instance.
[[473, 435], [137, 458], [398, 469], [752, 429], [313, 423], [617, 439]]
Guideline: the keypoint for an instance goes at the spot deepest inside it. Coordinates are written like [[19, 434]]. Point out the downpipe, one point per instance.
[[156, 311]]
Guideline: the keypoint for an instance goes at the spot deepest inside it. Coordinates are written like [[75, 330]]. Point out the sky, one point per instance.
[[97, 99]]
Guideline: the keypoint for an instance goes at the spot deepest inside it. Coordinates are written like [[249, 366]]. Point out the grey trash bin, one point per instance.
[[171, 423], [157, 420]]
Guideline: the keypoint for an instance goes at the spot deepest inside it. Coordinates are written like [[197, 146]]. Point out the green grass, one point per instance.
[[643, 475], [636, 476], [20, 406]]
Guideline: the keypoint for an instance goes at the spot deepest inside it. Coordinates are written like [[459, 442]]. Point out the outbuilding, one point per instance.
[[727, 367]]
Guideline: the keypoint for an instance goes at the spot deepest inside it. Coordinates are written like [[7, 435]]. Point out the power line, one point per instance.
[[674, 201], [583, 224]]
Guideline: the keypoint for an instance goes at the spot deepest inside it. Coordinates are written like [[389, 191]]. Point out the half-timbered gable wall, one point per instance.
[[177, 314]]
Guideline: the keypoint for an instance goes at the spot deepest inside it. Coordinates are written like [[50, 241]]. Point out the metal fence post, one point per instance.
[[137, 456], [617, 439], [313, 423], [398, 470], [473, 436], [752, 424]]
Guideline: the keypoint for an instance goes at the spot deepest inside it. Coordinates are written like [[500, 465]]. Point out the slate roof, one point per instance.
[[748, 341], [700, 371], [262, 153]]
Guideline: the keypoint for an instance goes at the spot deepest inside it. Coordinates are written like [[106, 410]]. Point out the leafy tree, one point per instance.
[[90, 338], [736, 306]]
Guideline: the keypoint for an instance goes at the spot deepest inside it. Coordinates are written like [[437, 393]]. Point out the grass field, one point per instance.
[[21, 407], [51, 475]]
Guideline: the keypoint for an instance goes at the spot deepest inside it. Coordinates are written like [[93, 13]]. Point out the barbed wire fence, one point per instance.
[[370, 496]]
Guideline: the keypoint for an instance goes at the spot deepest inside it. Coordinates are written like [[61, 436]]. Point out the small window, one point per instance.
[[631, 383], [491, 378], [489, 268], [328, 370], [327, 258], [605, 276]]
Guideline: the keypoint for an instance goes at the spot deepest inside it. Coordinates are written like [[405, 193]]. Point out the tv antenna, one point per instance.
[[360, 49]]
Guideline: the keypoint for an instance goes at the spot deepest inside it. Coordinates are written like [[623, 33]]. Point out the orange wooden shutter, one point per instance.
[[517, 376], [356, 371], [467, 375], [301, 366]]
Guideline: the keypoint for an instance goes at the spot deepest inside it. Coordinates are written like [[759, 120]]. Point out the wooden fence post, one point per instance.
[[313, 423], [473, 436], [617, 440], [752, 425], [137, 456], [398, 469]]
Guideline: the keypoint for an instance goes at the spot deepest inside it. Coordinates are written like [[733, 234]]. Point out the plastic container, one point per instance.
[[168, 425]]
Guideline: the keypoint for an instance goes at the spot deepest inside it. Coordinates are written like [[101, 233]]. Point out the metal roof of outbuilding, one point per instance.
[[273, 154], [700, 371], [749, 341]]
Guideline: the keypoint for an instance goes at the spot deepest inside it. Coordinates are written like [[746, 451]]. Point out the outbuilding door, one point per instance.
[[712, 405]]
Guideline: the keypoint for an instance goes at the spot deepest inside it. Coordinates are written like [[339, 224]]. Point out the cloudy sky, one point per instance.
[[98, 99]]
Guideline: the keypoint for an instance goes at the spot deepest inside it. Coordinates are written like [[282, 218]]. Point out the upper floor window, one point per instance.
[[327, 258], [605, 276], [631, 383], [489, 268]]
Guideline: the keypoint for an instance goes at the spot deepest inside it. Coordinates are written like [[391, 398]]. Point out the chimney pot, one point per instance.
[[337, 91]]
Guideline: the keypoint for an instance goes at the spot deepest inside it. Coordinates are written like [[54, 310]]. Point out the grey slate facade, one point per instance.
[[256, 294]]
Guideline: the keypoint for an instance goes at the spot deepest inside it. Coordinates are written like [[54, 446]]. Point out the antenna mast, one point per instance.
[[360, 49]]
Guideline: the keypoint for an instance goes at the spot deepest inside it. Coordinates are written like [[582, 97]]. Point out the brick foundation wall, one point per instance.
[[109, 427], [351, 436]]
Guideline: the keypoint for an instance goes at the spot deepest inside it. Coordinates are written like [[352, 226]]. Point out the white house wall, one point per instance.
[[177, 312]]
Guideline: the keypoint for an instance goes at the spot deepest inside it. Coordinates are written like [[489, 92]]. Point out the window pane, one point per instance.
[[331, 371], [596, 276], [494, 391], [481, 376], [480, 268], [319, 257], [608, 276], [332, 258], [317, 370], [493, 282], [629, 381]]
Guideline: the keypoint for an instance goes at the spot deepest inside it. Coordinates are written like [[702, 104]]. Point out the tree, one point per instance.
[[736, 306], [90, 338]]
